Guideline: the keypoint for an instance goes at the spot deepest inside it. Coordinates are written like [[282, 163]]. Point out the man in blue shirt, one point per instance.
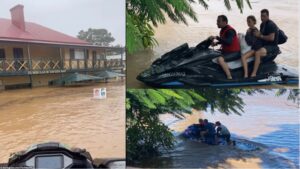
[[209, 132]]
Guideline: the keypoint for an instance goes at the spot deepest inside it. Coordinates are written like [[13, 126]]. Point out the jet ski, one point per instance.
[[56, 155], [191, 132], [187, 66]]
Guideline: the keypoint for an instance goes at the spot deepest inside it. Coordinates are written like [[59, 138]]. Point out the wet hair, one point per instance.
[[265, 11], [224, 18], [218, 123], [205, 120], [251, 17]]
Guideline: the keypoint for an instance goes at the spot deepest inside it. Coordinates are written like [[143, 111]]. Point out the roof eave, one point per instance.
[[55, 43]]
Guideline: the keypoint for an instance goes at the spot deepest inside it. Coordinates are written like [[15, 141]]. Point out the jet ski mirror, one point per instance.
[[204, 44]]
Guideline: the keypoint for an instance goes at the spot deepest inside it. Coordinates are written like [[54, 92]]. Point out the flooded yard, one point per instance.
[[65, 114]]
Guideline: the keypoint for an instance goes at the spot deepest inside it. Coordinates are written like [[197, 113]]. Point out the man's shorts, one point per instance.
[[231, 56], [271, 49]]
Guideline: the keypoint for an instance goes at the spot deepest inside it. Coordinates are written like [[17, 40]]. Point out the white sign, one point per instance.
[[100, 93]]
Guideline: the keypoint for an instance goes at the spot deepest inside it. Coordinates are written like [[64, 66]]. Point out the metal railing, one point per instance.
[[25, 65]]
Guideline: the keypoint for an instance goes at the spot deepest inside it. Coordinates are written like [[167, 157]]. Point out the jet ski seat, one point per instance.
[[234, 62]]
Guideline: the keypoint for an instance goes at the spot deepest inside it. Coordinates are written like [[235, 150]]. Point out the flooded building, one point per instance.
[[31, 54]]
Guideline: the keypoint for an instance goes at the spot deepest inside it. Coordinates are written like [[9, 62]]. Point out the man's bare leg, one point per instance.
[[225, 67]]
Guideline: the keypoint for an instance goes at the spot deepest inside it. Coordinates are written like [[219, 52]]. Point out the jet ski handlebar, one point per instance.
[[56, 155], [204, 44]]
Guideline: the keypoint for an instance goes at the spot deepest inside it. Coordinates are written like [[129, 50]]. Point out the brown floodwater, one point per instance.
[[171, 35], [65, 114]]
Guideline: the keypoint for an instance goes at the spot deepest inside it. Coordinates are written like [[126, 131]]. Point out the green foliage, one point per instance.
[[293, 94], [139, 33], [99, 37], [142, 14]]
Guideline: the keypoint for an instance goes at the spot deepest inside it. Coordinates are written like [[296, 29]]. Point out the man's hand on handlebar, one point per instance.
[[214, 44], [212, 38]]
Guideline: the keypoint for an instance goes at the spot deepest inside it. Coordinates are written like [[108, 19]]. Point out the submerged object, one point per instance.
[[198, 66], [74, 79], [108, 74], [192, 132]]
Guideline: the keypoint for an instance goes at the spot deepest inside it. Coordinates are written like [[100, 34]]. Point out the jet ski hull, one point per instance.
[[197, 67], [204, 76]]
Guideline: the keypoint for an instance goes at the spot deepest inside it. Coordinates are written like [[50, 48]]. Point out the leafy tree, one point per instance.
[[293, 94], [142, 14], [99, 37]]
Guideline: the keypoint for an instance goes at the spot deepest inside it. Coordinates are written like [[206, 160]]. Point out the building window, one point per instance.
[[94, 55], [72, 54], [87, 54], [2, 54], [77, 53]]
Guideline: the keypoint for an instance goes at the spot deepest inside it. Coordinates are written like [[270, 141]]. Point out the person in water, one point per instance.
[[222, 132], [201, 126], [229, 41], [268, 34], [194, 130], [252, 41], [208, 133]]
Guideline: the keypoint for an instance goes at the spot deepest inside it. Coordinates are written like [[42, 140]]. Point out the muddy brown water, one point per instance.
[[171, 35], [65, 114]]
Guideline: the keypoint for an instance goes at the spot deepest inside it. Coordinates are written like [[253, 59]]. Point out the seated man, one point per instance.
[[223, 132], [208, 134], [230, 45], [269, 36]]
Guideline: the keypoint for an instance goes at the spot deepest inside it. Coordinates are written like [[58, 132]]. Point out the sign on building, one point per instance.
[[100, 93]]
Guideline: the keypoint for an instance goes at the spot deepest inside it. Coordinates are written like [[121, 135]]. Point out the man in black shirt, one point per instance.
[[269, 37]]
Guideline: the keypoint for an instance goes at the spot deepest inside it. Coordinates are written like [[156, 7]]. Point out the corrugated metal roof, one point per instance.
[[35, 33]]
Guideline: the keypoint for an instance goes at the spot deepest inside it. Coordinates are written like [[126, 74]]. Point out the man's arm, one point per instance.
[[270, 37], [272, 28], [228, 38], [219, 130]]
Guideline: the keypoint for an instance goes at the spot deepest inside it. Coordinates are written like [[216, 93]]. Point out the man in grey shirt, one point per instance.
[[222, 132]]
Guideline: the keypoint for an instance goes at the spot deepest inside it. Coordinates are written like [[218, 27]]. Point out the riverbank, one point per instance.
[[65, 114]]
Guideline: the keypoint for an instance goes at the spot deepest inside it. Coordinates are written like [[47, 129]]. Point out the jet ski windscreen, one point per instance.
[[53, 162], [204, 44]]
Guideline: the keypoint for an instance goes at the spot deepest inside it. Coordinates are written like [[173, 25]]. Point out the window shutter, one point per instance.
[[2, 54], [72, 54]]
